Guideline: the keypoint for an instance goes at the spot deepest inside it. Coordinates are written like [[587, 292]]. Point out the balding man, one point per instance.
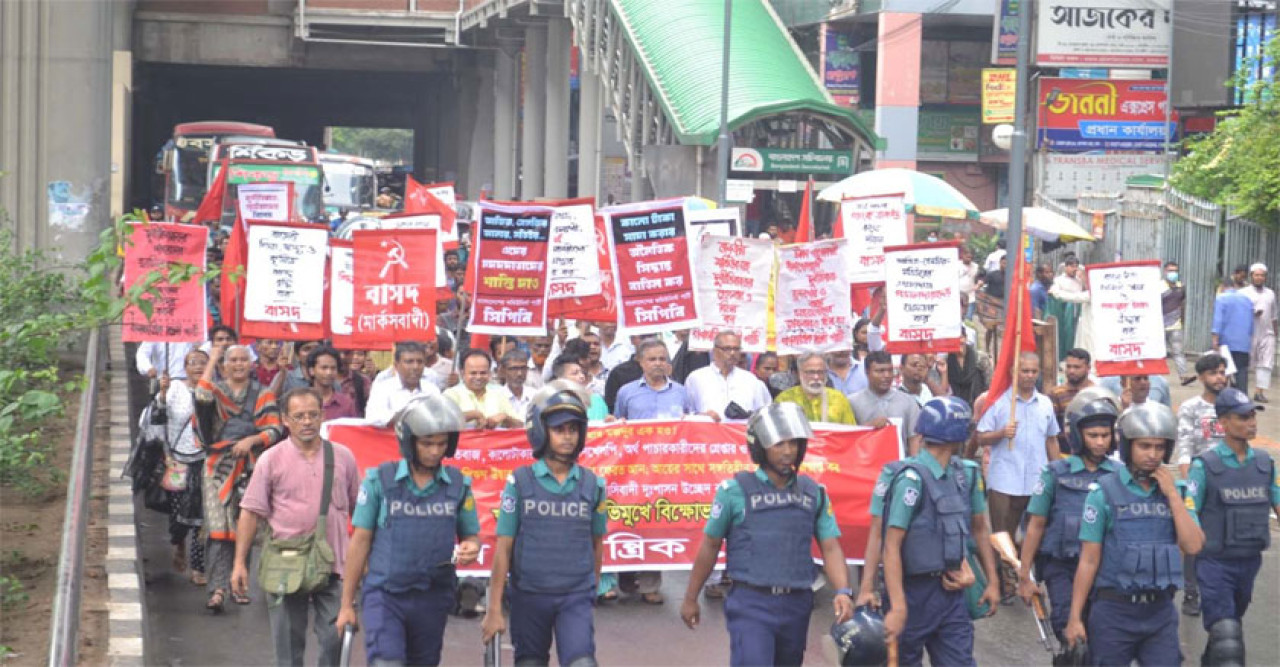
[[820, 402], [711, 390]]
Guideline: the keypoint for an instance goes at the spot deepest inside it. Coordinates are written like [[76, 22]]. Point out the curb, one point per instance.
[[125, 612]]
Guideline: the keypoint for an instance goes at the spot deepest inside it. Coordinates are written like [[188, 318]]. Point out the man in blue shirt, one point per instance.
[[654, 395], [1040, 290], [1233, 327]]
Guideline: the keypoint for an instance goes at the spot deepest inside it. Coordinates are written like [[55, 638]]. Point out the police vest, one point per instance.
[[555, 547], [1062, 530], [1236, 515], [772, 545], [937, 537], [1140, 552], [414, 550]]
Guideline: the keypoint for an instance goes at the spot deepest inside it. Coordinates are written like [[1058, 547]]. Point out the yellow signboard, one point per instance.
[[999, 86]]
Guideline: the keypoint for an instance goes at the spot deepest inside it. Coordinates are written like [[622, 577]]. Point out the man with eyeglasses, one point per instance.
[[820, 402], [723, 390], [285, 491]]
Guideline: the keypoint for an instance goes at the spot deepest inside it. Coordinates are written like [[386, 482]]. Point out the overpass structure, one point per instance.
[[496, 93]]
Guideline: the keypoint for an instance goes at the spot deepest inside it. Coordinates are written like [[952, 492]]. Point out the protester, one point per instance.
[[686, 361], [482, 406], [236, 420], [914, 372], [155, 360], [1233, 328], [1263, 349], [1070, 306], [965, 376], [268, 366], [1039, 290], [297, 376], [615, 350], [819, 402], [569, 368], [969, 271], [439, 368], [539, 355], [722, 390], [846, 374], [389, 395], [352, 381], [1020, 443], [623, 374], [186, 509], [596, 372], [654, 395], [764, 366], [288, 490], [880, 402], [1138, 389], [1076, 368], [1173, 304], [860, 344], [323, 366], [515, 373]]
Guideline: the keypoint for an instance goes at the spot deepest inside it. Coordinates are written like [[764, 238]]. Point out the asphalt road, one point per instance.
[[628, 632]]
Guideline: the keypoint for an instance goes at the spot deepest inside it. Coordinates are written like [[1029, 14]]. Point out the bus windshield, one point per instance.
[[189, 160], [307, 186], [349, 185]]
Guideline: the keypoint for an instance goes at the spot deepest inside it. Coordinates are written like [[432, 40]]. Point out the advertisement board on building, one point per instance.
[[948, 134], [1004, 34], [1123, 33], [792, 160], [1066, 175], [1079, 115], [841, 66], [999, 86]]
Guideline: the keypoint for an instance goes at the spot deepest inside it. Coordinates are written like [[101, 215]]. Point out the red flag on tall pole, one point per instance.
[[235, 254], [804, 226], [210, 209], [419, 199], [1019, 333]]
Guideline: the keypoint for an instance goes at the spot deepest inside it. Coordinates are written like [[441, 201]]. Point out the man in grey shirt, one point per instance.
[[1198, 431], [878, 403]]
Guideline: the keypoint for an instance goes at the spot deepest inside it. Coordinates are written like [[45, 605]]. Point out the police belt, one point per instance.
[[1147, 596], [770, 590]]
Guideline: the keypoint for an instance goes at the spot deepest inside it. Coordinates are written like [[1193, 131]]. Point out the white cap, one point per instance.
[[1258, 266]]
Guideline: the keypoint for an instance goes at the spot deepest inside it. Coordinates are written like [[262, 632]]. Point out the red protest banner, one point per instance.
[[424, 220], [661, 479], [434, 199], [656, 287], [284, 260], [511, 270], [394, 293], [1127, 318], [180, 314], [603, 307], [922, 298]]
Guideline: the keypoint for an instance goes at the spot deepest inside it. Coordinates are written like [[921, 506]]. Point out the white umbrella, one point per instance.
[[1041, 223], [924, 194]]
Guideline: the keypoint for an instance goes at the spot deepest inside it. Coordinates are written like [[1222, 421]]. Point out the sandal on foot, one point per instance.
[[653, 598], [216, 601], [198, 578], [180, 559], [241, 599]]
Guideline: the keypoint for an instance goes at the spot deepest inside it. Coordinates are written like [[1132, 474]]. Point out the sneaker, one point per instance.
[[1259, 398], [1191, 604]]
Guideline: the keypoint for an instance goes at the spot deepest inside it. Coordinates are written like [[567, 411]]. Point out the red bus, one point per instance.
[[184, 160]]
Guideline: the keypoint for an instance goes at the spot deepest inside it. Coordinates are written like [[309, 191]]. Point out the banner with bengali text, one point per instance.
[[661, 478], [870, 224], [655, 282], [812, 298], [573, 272], [602, 308], [265, 201], [423, 221], [733, 290], [511, 270], [179, 314], [393, 297], [342, 288], [285, 261], [922, 298], [1128, 319]]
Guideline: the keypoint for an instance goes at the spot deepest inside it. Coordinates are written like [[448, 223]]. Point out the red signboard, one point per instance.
[[394, 291], [1102, 114], [651, 254], [511, 270], [179, 314]]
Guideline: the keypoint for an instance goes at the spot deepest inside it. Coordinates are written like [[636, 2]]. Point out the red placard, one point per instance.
[[655, 283], [604, 307], [180, 314], [394, 291], [511, 270], [661, 478]]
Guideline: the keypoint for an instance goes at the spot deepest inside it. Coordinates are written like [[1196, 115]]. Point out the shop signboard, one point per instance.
[[1123, 33], [1080, 115], [792, 160]]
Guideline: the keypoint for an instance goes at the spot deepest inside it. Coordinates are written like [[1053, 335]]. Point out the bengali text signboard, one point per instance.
[[656, 288], [1117, 33], [393, 295], [285, 273], [574, 272], [733, 290], [511, 279], [1108, 114], [179, 314], [812, 300], [870, 224], [265, 201], [1128, 320], [923, 298]]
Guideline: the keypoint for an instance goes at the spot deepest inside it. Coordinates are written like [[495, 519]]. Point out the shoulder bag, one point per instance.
[[300, 564]]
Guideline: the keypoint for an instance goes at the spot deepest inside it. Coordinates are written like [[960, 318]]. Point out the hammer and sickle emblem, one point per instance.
[[395, 255]]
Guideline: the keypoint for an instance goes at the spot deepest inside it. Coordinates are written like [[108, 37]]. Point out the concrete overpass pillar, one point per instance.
[[898, 88], [557, 118], [533, 135], [505, 95], [477, 158], [589, 113]]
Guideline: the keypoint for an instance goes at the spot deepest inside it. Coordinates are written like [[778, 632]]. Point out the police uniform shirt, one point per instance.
[[907, 490], [372, 512], [881, 488], [1196, 477], [1096, 520], [730, 509], [1042, 495], [509, 510]]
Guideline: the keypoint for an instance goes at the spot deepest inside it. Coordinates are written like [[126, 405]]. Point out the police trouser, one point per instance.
[[1226, 586], [1121, 632], [767, 629], [937, 620], [537, 617], [406, 627], [1058, 575]]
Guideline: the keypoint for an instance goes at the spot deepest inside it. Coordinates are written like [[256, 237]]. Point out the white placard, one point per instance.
[[573, 268], [264, 201], [922, 298], [740, 190], [342, 287], [870, 224], [717, 221], [812, 299], [1115, 33], [1128, 320], [284, 274], [733, 290]]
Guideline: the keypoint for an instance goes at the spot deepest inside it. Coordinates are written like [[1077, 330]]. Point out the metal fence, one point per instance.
[[1154, 223]]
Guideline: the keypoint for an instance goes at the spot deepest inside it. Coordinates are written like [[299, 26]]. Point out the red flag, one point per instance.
[[418, 198], [210, 209], [804, 226], [1019, 334], [231, 297]]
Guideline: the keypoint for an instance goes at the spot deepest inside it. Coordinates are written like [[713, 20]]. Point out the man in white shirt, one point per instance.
[[1263, 355], [515, 376], [615, 350], [482, 406], [154, 358], [389, 394], [711, 389], [993, 259], [968, 280]]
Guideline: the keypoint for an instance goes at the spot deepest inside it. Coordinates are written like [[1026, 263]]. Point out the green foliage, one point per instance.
[[12, 593], [394, 146], [1238, 164], [982, 246]]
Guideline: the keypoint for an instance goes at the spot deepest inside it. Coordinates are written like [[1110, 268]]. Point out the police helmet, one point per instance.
[[1148, 420], [554, 404], [945, 420], [427, 415], [1226, 644], [861, 639], [1098, 412], [775, 423], [1091, 394]]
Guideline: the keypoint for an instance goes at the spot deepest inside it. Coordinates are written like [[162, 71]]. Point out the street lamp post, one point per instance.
[[723, 149], [1018, 154]]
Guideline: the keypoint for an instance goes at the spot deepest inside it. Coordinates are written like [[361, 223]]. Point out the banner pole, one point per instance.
[[1015, 292]]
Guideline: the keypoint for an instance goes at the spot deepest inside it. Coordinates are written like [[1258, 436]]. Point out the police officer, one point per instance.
[[771, 517], [1133, 524], [407, 517], [1053, 516], [1231, 488], [551, 525], [934, 503]]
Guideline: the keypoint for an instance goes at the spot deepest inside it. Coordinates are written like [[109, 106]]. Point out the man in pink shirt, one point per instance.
[[285, 491]]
